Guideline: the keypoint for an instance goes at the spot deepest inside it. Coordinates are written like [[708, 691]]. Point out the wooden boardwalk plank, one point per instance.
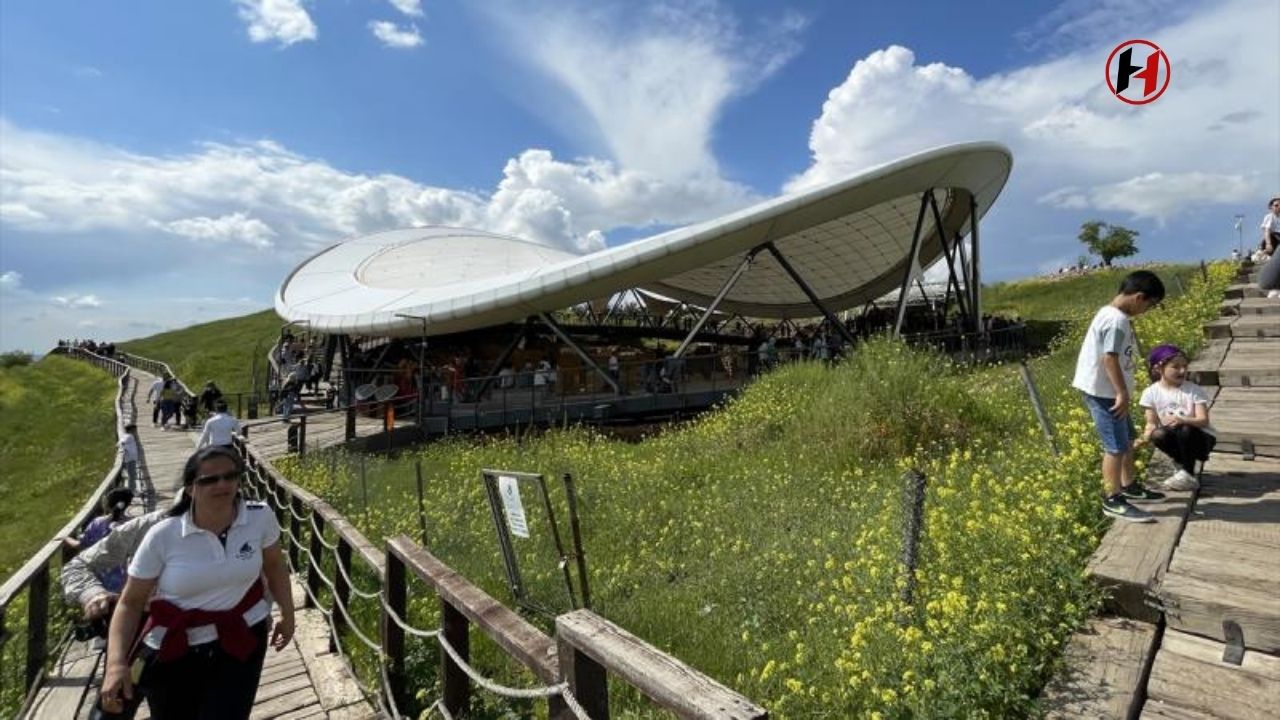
[[1133, 556], [1189, 674], [1104, 665]]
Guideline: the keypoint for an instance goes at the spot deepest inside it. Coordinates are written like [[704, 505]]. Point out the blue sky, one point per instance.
[[166, 163]]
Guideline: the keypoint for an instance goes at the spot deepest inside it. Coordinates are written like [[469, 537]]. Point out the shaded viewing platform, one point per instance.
[[1192, 623]]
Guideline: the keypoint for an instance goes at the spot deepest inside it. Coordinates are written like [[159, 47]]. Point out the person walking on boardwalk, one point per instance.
[[83, 584], [128, 445], [209, 397], [219, 429], [1177, 415], [201, 651], [1105, 377], [154, 397]]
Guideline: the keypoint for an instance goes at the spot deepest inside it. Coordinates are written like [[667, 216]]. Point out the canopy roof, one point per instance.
[[849, 240]]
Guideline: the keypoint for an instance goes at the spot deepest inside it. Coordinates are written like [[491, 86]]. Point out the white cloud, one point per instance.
[[10, 280], [652, 80], [412, 8], [76, 301], [1075, 146], [236, 227], [394, 36], [284, 20], [260, 194]]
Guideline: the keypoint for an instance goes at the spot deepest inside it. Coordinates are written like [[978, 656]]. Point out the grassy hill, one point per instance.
[[57, 440], [222, 350]]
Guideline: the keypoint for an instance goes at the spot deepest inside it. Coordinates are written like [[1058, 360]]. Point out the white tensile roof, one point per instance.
[[848, 239]]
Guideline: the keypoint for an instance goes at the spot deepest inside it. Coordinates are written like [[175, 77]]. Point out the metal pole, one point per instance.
[[913, 522], [976, 306], [808, 291], [715, 303], [912, 257], [564, 337], [1043, 417], [422, 509]]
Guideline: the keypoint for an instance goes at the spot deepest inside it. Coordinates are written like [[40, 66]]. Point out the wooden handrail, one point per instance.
[[34, 575], [591, 647]]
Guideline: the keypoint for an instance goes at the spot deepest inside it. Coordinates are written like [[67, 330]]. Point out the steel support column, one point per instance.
[[950, 256], [808, 291], [913, 258], [502, 360], [975, 287], [586, 358], [724, 290]]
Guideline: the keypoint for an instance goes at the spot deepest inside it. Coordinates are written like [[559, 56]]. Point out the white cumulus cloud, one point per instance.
[[652, 80], [76, 301], [236, 227], [284, 20], [412, 8], [1210, 140], [393, 36], [10, 280]]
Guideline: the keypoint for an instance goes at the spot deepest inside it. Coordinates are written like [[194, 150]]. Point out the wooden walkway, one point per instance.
[[1193, 625], [304, 680]]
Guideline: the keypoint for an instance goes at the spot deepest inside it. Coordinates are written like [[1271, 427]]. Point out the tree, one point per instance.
[[1108, 241], [15, 358]]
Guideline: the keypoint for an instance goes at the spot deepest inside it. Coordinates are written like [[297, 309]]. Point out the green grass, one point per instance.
[[222, 351], [760, 543], [57, 441]]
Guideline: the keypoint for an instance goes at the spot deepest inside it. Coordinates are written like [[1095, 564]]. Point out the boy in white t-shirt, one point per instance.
[[1105, 377], [1177, 414]]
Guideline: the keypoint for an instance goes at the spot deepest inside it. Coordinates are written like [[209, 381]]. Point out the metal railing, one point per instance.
[[35, 576]]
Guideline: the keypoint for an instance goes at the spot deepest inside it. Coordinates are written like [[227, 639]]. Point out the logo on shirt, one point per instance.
[[246, 552]]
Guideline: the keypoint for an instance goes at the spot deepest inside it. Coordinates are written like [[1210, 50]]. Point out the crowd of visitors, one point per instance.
[[105, 349]]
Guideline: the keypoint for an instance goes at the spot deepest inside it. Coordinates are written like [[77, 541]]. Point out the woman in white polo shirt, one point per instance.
[[204, 642]]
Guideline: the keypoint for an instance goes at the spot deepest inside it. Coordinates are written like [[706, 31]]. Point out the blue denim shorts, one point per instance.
[[1116, 433]]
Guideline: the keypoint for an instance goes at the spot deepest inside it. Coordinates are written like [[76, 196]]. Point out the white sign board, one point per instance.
[[509, 489]]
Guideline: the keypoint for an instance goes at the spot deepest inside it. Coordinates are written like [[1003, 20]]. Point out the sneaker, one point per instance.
[[1273, 294], [1118, 508], [1181, 480], [1137, 493]]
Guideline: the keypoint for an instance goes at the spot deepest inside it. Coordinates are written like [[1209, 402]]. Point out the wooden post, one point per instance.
[[302, 436], [455, 629], [392, 634], [351, 423], [341, 589], [1036, 404], [587, 679], [912, 523], [37, 624], [295, 531], [422, 509], [316, 549]]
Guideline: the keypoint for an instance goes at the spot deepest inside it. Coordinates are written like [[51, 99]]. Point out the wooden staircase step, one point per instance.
[[1244, 290], [1132, 557], [1250, 306], [1244, 326], [1104, 664], [1190, 680]]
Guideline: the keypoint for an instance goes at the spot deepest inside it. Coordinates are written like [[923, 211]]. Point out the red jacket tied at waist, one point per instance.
[[233, 631]]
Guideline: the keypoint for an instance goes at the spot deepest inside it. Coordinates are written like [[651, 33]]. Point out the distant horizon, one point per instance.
[[139, 193]]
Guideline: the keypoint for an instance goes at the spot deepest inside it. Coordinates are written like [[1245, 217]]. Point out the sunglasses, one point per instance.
[[233, 475]]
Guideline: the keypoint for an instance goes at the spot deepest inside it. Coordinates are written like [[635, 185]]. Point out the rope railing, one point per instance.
[[36, 574], [576, 692]]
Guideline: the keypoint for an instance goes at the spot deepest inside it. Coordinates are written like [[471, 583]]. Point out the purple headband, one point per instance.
[[1161, 354]]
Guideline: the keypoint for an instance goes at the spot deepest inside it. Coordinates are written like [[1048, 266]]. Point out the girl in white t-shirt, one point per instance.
[[1177, 413]]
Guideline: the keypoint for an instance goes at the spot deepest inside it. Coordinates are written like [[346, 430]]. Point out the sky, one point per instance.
[[165, 163]]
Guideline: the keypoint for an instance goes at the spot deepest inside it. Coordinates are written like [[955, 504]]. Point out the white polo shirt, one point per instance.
[[195, 571], [218, 430]]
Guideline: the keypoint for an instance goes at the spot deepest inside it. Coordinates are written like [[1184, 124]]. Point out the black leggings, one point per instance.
[[206, 683], [1185, 444]]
